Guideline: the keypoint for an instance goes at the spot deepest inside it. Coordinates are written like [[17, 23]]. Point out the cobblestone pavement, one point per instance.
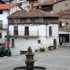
[[53, 60]]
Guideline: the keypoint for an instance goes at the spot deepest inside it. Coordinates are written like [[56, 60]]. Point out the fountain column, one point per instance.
[[29, 59]]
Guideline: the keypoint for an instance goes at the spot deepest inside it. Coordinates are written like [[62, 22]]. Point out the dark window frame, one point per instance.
[[50, 31], [39, 41], [15, 30], [67, 23], [0, 35], [13, 43], [27, 30], [1, 11]]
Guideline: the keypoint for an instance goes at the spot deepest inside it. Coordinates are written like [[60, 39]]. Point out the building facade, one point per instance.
[[13, 1], [61, 6], [35, 28], [53, 6], [4, 12], [19, 6], [64, 27]]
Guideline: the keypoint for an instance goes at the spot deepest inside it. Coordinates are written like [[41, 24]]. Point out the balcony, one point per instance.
[[64, 28], [32, 34], [26, 21]]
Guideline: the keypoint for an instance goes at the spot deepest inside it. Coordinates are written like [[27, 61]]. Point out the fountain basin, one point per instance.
[[35, 68]]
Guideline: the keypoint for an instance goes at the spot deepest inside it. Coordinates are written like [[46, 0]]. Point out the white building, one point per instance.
[[19, 6], [13, 1], [17, 1], [35, 29], [4, 13]]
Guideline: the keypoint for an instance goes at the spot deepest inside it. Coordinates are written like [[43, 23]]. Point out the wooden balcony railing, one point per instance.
[[32, 34]]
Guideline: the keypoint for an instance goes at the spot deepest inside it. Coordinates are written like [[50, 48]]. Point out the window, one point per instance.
[[1, 11], [0, 35], [50, 31], [60, 10], [39, 41], [15, 30], [66, 23], [12, 44], [66, 4], [60, 24], [26, 30], [1, 23]]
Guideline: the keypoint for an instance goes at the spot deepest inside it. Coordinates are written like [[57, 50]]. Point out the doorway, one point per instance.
[[54, 43]]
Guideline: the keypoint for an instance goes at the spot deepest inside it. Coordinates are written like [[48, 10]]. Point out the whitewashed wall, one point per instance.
[[4, 32], [41, 30], [4, 17], [46, 40], [5, 24], [21, 44], [18, 1], [16, 8]]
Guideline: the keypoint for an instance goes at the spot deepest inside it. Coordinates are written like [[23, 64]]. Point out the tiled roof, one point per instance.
[[33, 13], [6, 6], [49, 2], [65, 12]]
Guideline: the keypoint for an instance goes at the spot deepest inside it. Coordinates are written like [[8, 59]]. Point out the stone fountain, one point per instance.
[[30, 62]]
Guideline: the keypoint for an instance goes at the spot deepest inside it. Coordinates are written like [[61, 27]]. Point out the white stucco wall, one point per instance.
[[21, 44], [43, 34], [46, 40], [3, 17], [3, 32], [42, 30], [16, 8], [18, 1]]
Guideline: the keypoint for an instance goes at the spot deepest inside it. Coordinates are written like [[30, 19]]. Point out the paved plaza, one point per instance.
[[53, 60]]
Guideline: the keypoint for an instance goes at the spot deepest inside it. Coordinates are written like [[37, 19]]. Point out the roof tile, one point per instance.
[[33, 13], [65, 12], [6, 6], [49, 2]]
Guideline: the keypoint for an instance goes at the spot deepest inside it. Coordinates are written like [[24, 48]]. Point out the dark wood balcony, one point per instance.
[[23, 35], [32, 21]]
